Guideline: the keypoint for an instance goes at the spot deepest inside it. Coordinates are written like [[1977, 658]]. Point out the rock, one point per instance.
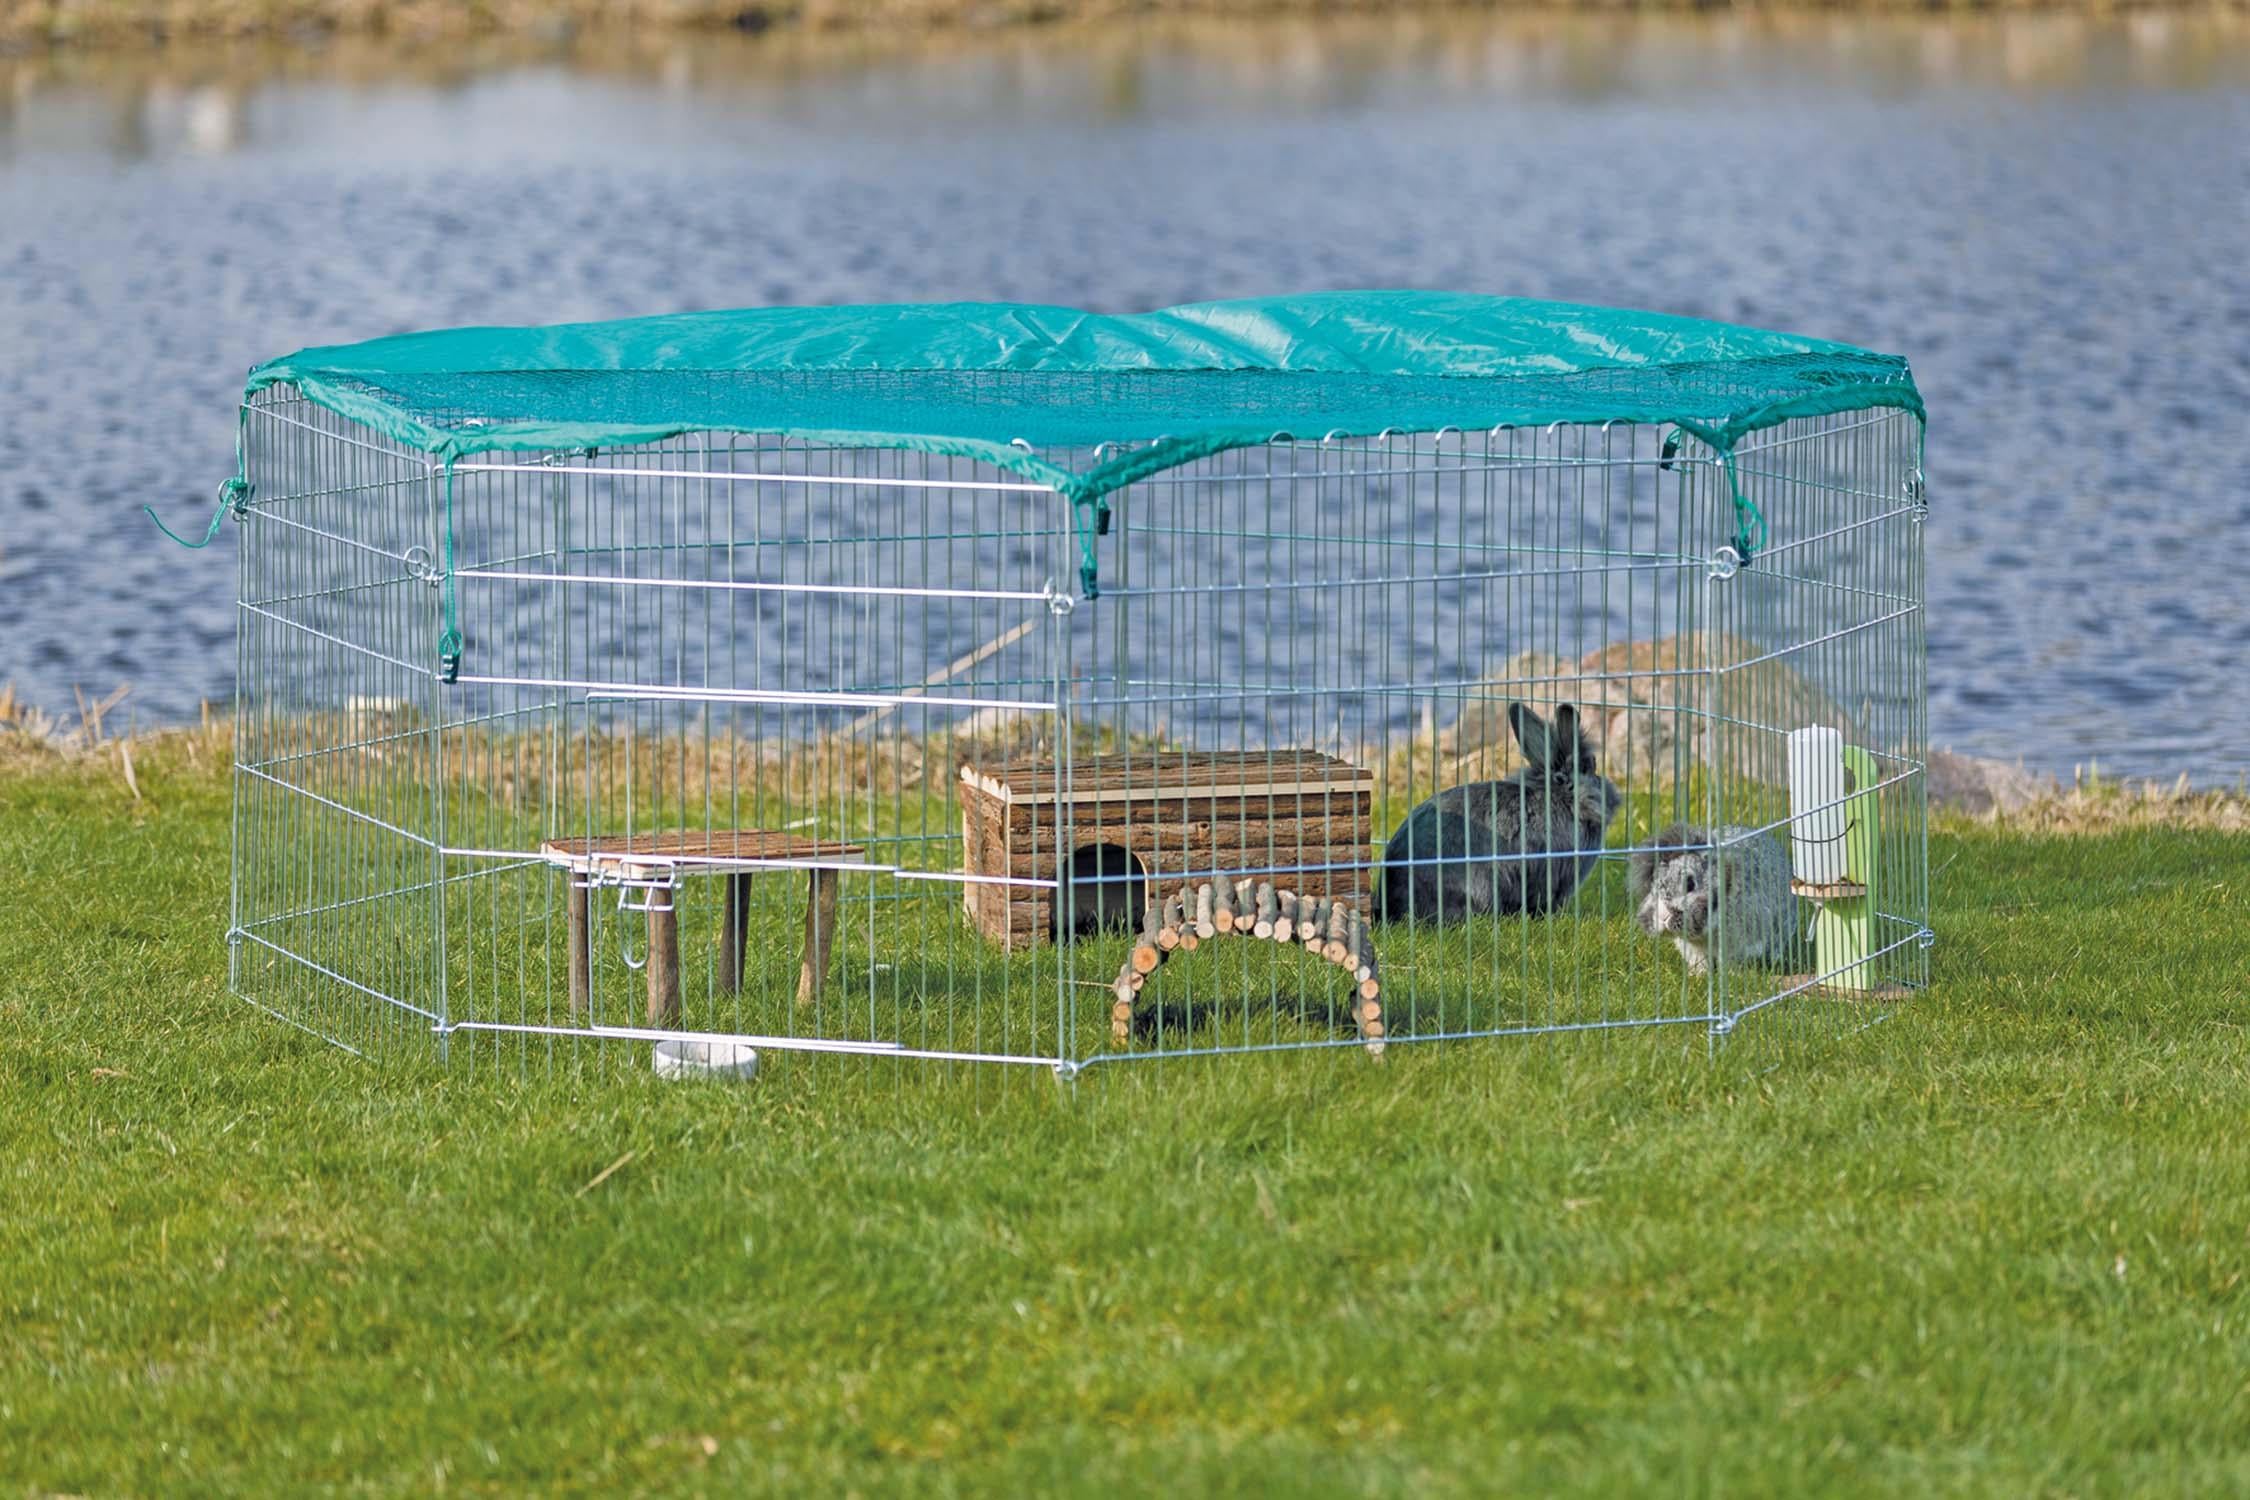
[[989, 727], [1969, 783], [367, 717], [1645, 705], [1483, 724]]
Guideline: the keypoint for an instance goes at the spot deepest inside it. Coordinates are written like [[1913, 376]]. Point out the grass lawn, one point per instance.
[[1997, 1245]]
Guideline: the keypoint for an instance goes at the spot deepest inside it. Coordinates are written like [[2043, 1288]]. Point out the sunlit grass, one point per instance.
[[1997, 1245]]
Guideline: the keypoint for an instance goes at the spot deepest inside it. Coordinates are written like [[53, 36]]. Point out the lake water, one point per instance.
[[2049, 216]]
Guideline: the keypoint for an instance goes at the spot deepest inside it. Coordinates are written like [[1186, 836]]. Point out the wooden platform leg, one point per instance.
[[732, 932], [664, 958], [581, 949], [820, 934]]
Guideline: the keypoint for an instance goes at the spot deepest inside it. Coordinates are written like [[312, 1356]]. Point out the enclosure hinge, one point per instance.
[[420, 565]]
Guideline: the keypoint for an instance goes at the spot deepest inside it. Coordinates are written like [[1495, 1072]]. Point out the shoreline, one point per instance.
[[1964, 790], [34, 27], [1276, 56]]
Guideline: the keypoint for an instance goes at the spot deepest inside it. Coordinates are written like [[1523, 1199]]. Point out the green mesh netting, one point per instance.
[[1010, 384], [1016, 385]]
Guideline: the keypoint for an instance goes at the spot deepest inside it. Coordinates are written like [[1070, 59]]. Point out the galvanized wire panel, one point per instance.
[[828, 750]]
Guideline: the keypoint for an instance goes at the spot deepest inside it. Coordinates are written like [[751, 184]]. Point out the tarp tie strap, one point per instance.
[[234, 496], [449, 639], [1093, 521], [1749, 521]]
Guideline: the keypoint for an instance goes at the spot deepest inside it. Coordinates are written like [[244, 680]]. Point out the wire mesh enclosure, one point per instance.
[[547, 753]]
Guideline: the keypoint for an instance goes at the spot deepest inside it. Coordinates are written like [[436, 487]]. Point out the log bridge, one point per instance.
[[1330, 928]]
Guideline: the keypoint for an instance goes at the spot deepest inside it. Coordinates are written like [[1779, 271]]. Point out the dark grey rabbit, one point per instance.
[[1458, 855]]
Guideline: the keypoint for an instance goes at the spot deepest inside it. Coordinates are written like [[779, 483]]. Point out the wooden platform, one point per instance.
[[719, 848], [665, 858], [1838, 890]]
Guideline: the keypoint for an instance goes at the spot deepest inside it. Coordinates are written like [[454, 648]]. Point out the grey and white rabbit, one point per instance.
[[1463, 852], [1729, 889]]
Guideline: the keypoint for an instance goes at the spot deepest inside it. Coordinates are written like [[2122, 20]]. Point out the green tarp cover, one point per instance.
[[1036, 390]]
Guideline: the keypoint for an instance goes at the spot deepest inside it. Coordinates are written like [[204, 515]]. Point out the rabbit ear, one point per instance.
[[1572, 748], [1566, 747], [1531, 733], [1640, 874]]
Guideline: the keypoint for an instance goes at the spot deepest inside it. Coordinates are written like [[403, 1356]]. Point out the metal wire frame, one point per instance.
[[724, 632]]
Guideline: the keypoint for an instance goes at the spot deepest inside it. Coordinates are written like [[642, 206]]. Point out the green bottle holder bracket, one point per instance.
[[1844, 912]]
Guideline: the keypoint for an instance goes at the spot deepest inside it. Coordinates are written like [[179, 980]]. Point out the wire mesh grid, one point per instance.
[[828, 749]]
